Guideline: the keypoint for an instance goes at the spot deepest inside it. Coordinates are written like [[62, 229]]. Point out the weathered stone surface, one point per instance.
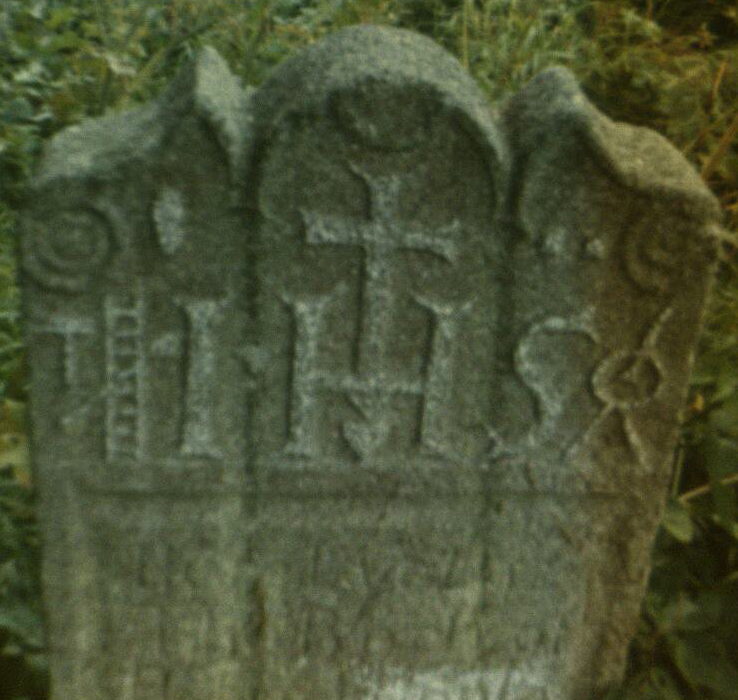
[[352, 387], [135, 275]]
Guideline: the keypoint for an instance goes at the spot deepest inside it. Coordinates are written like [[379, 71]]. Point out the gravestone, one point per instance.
[[354, 387]]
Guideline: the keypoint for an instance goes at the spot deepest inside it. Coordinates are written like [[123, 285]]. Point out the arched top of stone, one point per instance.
[[365, 61]]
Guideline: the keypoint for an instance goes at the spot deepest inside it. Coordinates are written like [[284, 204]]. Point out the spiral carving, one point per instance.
[[358, 115], [65, 256], [627, 379], [653, 256]]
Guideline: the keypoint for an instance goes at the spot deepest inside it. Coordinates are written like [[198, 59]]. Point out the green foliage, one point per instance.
[[666, 64], [687, 646], [22, 661]]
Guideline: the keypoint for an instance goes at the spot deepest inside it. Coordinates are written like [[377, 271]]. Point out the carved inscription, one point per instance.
[[124, 373], [82, 243], [368, 388], [540, 379], [544, 379], [198, 434], [169, 216], [70, 329], [439, 380], [495, 684], [626, 379], [623, 380], [306, 317]]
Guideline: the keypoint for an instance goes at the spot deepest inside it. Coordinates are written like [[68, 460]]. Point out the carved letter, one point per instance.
[[124, 365], [306, 315], [198, 436]]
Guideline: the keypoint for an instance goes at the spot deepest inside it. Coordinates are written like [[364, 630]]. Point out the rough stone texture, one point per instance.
[[352, 387]]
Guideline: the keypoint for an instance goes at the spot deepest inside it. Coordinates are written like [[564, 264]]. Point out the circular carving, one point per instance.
[[626, 379], [63, 256], [653, 256], [362, 114], [169, 219]]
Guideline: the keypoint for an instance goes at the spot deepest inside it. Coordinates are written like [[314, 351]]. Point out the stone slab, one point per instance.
[[354, 386]]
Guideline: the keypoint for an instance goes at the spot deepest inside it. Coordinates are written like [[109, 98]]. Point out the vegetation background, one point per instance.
[[671, 65]]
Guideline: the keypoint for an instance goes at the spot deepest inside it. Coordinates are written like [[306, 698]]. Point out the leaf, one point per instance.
[[721, 460], [32, 74], [118, 65], [710, 607], [61, 15], [665, 684], [38, 663], [12, 650], [23, 623], [638, 687], [18, 110], [678, 614], [677, 521], [12, 416], [64, 42], [725, 418], [37, 9], [14, 454], [13, 442], [730, 526], [91, 30], [703, 662]]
